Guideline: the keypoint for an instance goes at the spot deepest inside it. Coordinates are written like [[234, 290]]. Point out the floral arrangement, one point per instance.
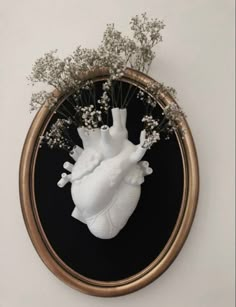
[[116, 53]]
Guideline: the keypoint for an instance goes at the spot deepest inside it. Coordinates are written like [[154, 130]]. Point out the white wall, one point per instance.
[[197, 59]]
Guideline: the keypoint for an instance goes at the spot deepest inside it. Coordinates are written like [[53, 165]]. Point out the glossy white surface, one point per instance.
[[197, 58]]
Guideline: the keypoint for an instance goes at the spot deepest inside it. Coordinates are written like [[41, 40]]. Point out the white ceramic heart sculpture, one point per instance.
[[106, 177]]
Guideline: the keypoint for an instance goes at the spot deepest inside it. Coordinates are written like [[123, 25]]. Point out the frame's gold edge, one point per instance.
[[172, 248]]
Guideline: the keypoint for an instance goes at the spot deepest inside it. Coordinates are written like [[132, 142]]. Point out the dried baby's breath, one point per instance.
[[57, 136], [116, 52], [42, 98]]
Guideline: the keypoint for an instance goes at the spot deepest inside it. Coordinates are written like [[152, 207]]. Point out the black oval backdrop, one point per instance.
[[148, 229]]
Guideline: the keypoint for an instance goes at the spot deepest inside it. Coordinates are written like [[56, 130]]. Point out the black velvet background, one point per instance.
[[146, 232]]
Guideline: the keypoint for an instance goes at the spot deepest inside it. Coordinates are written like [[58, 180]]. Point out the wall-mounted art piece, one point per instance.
[[108, 174]]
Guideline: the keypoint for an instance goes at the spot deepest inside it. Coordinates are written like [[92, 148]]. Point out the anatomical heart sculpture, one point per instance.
[[108, 168]]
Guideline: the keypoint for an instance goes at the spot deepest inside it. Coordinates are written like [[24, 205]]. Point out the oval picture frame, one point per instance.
[[36, 230]]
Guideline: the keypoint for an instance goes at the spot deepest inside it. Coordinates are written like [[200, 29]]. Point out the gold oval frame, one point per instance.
[[36, 232]]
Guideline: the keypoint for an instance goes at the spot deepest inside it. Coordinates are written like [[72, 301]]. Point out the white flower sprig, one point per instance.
[[89, 117], [155, 89], [149, 123], [146, 35], [150, 126], [104, 102], [58, 136], [42, 98], [151, 139], [173, 118], [144, 97]]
